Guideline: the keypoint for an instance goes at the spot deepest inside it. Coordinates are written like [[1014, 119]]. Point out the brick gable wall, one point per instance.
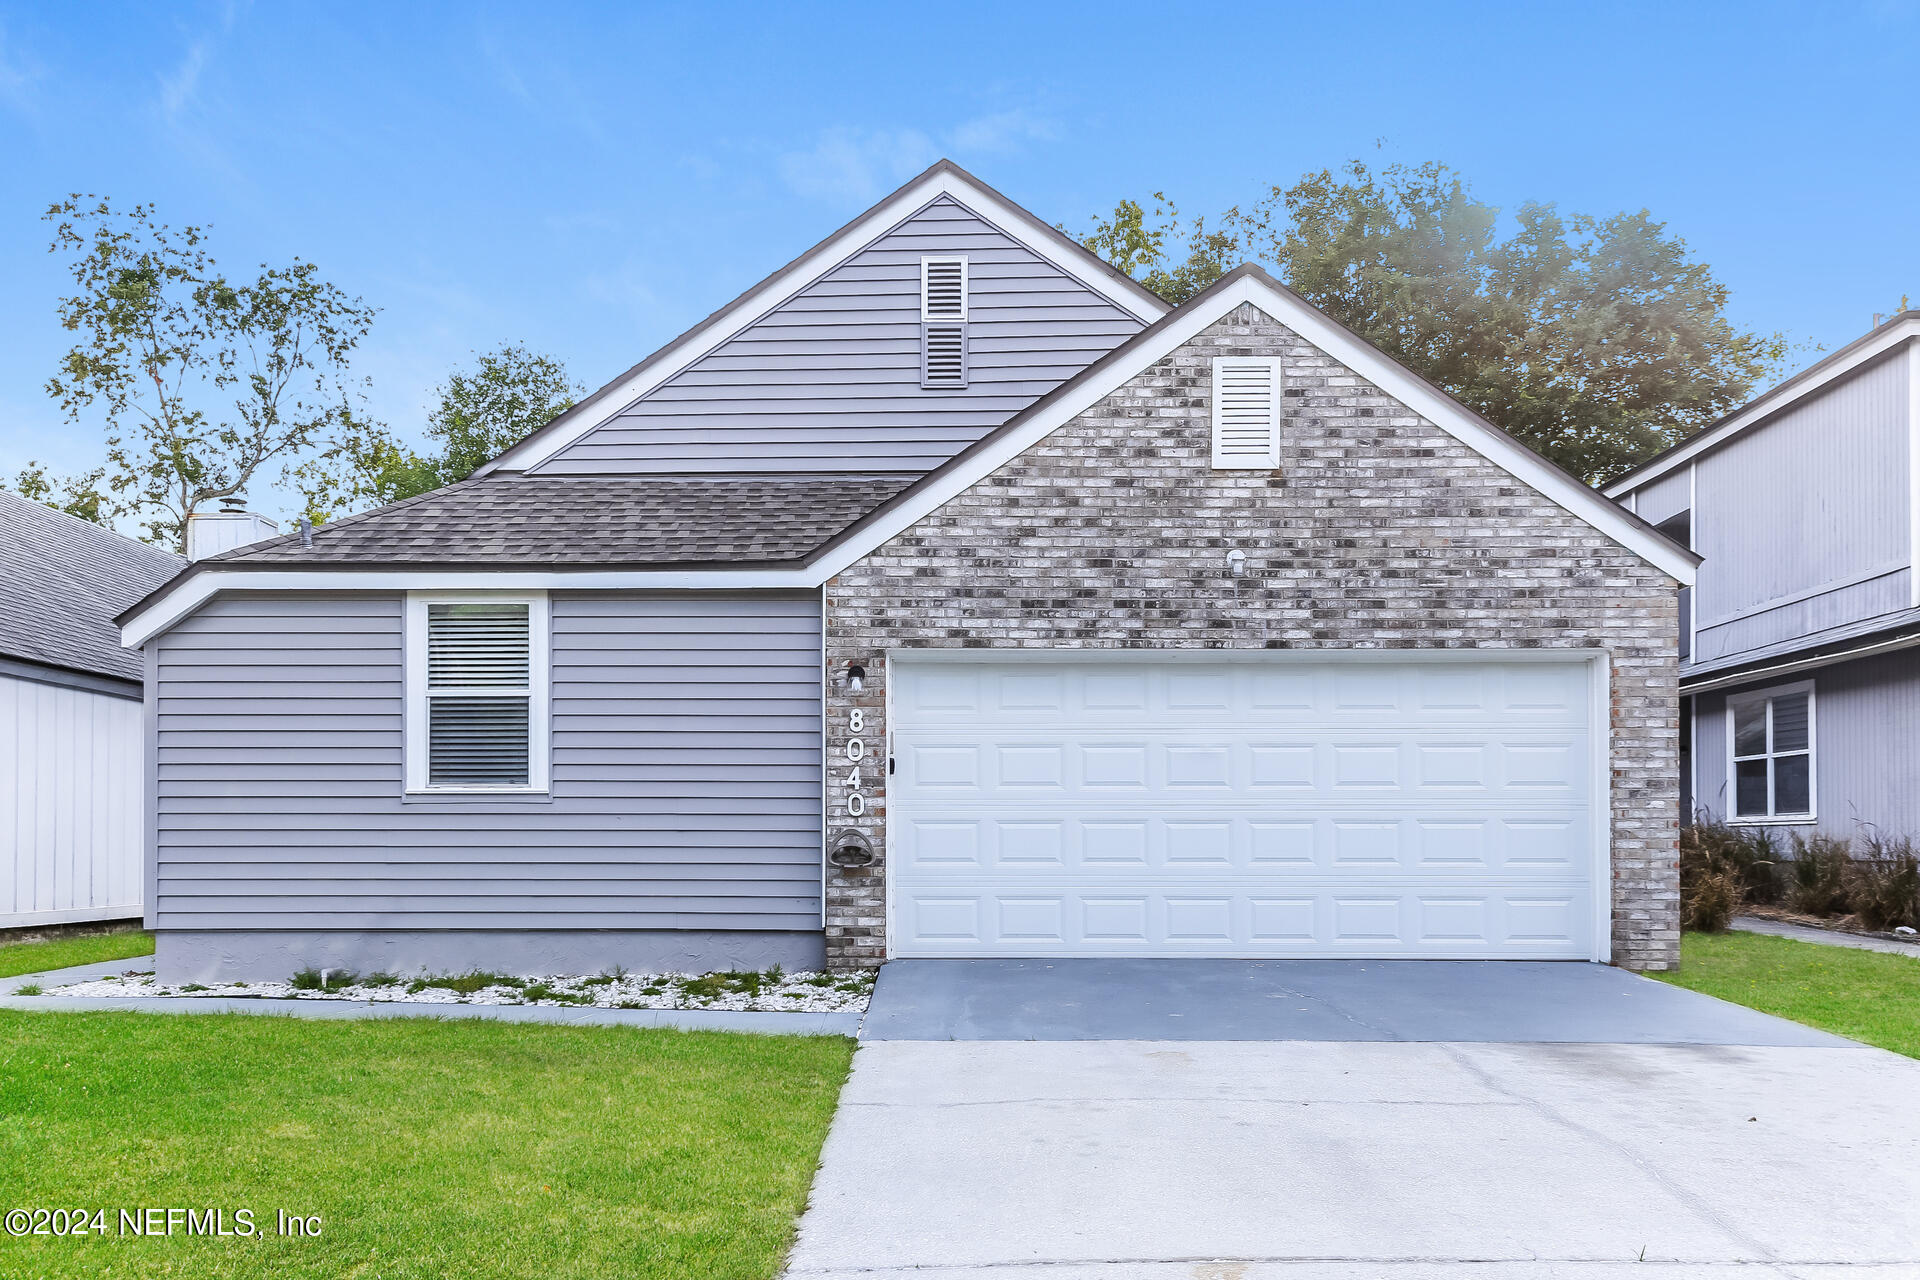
[[1377, 530]]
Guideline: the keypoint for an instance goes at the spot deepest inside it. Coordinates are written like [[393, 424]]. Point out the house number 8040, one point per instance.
[[856, 751]]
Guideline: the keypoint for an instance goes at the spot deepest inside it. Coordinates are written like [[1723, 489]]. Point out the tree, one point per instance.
[[508, 395], [79, 496], [202, 381], [1597, 341]]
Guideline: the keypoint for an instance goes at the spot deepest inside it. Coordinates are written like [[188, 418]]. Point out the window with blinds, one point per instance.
[[943, 322], [477, 686], [1246, 413], [1771, 733]]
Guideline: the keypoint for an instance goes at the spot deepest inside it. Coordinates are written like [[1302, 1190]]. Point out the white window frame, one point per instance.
[[1770, 818], [539, 695], [966, 288], [1247, 462]]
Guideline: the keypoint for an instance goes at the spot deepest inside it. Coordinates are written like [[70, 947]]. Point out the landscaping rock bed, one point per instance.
[[771, 991]]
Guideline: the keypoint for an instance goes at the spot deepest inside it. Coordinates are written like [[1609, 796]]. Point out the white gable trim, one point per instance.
[[1793, 390], [1356, 353], [943, 179]]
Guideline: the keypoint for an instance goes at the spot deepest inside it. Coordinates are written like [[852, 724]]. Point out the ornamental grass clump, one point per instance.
[[1820, 873], [1883, 886]]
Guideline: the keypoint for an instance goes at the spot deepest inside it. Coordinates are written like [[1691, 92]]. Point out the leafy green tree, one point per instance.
[[481, 412], [202, 381], [1596, 341], [79, 496]]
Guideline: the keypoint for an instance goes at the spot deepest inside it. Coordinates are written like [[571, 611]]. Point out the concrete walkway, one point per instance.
[[793, 1024], [1760, 1148], [1826, 937]]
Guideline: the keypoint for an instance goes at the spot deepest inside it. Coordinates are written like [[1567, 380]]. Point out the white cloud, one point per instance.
[[1002, 131], [857, 166], [180, 87]]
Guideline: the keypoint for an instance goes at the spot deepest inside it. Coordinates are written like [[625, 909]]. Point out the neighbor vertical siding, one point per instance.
[[1866, 745], [1803, 521], [70, 804], [830, 380], [685, 789]]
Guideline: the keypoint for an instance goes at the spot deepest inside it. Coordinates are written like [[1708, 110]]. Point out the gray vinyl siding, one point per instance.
[[1866, 745], [830, 379], [1664, 498], [685, 773], [1803, 521]]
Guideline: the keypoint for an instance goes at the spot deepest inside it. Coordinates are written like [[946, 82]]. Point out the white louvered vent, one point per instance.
[[1246, 413], [943, 355], [943, 322], [943, 289], [479, 694]]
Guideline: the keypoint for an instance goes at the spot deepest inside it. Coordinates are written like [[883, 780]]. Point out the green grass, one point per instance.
[[1864, 995], [427, 1148], [59, 953]]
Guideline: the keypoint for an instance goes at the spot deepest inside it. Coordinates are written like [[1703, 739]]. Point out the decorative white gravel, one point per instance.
[[791, 993]]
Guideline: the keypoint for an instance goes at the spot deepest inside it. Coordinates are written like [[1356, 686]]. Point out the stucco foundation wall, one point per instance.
[[1378, 529], [274, 955]]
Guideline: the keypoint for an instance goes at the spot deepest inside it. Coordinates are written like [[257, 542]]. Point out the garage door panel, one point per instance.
[[943, 843], [1482, 765], [1060, 919], [1242, 807]]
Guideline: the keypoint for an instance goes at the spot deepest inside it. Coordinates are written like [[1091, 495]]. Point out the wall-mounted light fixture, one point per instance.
[[856, 677], [1236, 562], [851, 851]]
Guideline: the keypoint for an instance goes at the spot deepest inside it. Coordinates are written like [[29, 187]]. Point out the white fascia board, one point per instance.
[[1766, 406], [1357, 354], [176, 604], [1010, 218]]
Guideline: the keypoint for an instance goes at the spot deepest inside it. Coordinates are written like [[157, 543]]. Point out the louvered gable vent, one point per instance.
[[943, 322], [479, 687], [1246, 413]]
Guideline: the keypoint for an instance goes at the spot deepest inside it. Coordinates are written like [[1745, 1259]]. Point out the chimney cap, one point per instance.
[[234, 504]]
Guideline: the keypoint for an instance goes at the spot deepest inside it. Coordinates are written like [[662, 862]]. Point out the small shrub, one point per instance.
[[547, 991], [604, 980], [306, 980], [31, 989], [1818, 876], [774, 975], [820, 980], [1884, 886], [380, 980], [194, 986], [630, 1004], [468, 983], [319, 980]]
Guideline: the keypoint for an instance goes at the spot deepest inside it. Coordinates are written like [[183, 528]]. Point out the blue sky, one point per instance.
[[592, 179]]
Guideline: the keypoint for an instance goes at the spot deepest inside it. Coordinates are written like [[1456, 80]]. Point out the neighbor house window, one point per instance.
[[1772, 766], [477, 693], [1246, 413], [943, 322]]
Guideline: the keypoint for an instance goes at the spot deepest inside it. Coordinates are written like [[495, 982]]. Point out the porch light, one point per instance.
[[856, 677]]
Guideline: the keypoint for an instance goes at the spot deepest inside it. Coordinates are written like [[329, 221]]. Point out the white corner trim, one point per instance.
[[165, 610], [539, 691], [1766, 405], [1913, 474], [1007, 217], [1356, 353], [1600, 709]]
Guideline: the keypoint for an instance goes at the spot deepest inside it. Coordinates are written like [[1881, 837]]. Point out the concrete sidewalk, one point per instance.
[[1826, 937]]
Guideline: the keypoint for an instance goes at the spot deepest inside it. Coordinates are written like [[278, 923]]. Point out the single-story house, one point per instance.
[[72, 738], [945, 594], [1800, 644]]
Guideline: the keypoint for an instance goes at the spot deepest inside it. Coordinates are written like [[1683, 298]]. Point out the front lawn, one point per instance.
[[426, 1149], [1864, 995], [60, 953]]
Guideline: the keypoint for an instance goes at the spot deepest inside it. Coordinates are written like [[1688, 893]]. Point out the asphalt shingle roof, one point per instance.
[[62, 581], [574, 521]]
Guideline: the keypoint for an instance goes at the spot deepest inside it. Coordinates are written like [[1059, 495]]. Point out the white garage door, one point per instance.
[[1243, 807]]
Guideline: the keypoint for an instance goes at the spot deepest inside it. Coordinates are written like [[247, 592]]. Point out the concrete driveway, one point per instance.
[[1514, 1122]]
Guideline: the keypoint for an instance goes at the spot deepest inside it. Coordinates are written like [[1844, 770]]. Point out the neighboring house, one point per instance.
[[1800, 672], [72, 739], [946, 594]]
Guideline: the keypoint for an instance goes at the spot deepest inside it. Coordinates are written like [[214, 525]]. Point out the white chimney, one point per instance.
[[211, 532]]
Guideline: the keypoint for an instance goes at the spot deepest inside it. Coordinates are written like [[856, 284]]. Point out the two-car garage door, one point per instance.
[[1269, 806]]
